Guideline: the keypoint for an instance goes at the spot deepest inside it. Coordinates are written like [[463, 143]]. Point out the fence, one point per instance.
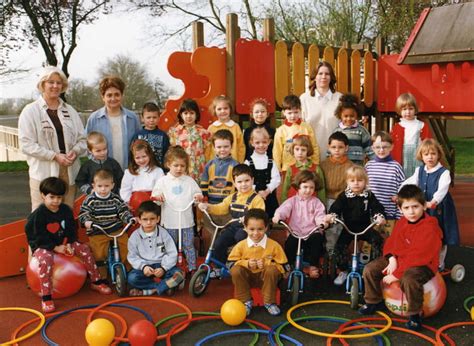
[[9, 145]]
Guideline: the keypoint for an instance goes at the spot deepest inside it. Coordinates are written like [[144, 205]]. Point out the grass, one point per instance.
[[13, 166]]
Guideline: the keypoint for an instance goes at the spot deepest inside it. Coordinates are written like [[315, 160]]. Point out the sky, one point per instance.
[[119, 33]]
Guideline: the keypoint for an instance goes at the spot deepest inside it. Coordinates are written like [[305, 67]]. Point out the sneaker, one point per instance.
[[414, 323], [341, 278], [248, 306], [48, 306], [101, 288], [272, 309], [215, 274], [171, 291], [370, 309]]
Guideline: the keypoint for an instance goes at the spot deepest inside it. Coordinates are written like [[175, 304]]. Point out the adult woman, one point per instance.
[[116, 123], [52, 136], [319, 103]]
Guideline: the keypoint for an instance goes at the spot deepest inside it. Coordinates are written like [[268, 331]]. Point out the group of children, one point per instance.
[[233, 173]]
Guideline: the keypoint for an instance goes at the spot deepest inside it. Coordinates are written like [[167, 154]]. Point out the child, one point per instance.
[[349, 111], [216, 180], [334, 169], [141, 175], [285, 134], [152, 254], [257, 261], [192, 137], [97, 146], [410, 255], [303, 213], [175, 191], [385, 177], [357, 206], [408, 133], [222, 108], [434, 180], [51, 229], [302, 150], [259, 118], [157, 139], [107, 210], [267, 176], [237, 206]]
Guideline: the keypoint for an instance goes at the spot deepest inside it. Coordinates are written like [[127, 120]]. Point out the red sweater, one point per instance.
[[398, 137], [415, 244]]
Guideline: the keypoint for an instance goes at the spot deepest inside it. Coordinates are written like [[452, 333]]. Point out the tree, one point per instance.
[[139, 87], [81, 96], [52, 24]]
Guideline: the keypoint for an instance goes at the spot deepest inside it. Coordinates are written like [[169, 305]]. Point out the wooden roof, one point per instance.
[[442, 34]]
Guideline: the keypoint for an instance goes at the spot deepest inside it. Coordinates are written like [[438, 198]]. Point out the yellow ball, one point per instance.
[[100, 332], [472, 313], [233, 312]]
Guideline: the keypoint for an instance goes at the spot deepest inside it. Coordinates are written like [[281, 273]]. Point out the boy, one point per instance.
[[385, 177], [237, 206], [216, 180], [158, 140], [410, 255], [152, 254], [292, 127], [334, 169], [51, 230], [97, 146], [257, 261], [107, 210]]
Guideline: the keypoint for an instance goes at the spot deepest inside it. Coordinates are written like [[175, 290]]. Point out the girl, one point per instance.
[[142, 174], [357, 206], [434, 180], [259, 118], [192, 137], [221, 107], [408, 133], [302, 150], [303, 213], [349, 111], [175, 191], [266, 174]]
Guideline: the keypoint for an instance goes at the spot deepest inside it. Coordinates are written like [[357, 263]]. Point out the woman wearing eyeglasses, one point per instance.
[[52, 136]]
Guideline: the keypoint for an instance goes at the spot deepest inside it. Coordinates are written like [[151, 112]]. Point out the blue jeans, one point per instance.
[[172, 278]]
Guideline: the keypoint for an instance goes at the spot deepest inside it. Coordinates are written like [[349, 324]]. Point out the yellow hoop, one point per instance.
[[29, 334], [333, 335]]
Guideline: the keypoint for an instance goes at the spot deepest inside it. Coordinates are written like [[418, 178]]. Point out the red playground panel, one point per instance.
[[254, 74], [437, 87]]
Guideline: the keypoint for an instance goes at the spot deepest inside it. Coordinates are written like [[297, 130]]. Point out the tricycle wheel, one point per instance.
[[120, 281], [295, 290], [458, 272], [355, 293], [198, 283]]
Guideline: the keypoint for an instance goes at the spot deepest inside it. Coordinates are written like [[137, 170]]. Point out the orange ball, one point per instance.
[[433, 298], [142, 333], [233, 312]]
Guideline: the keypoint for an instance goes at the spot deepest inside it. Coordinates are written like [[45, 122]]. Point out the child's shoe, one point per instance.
[[248, 306], [414, 323], [171, 291], [48, 306], [370, 309], [215, 273], [101, 288], [272, 309], [341, 278]]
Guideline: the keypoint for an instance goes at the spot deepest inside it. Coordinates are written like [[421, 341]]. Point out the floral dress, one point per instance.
[[195, 140]]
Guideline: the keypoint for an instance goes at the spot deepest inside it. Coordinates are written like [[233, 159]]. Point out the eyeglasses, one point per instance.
[[382, 147]]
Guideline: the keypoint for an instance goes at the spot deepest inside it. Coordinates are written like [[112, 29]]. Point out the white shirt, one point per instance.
[[116, 130], [144, 181], [412, 130], [262, 243], [178, 192], [261, 162], [228, 123], [443, 184]]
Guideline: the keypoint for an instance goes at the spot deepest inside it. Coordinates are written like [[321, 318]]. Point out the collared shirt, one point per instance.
[[262, 243], [327, 97], [228, 123]]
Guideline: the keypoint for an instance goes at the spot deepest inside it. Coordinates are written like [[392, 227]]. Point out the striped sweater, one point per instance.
[[360, 146]]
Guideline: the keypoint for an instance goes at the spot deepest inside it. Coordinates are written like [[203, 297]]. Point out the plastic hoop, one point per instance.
[[276, 330], [466, 302], [29, 334], [175, 329], [314, 332], [183, 325], [253, 342], [242, 331], [448, 326]]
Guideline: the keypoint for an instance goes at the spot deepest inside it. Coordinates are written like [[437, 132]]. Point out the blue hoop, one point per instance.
[[242, 331]]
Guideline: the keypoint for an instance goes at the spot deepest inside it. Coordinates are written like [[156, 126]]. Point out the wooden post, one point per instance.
[[232, 35], [381, 122], [269, 30], [198, 35]]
